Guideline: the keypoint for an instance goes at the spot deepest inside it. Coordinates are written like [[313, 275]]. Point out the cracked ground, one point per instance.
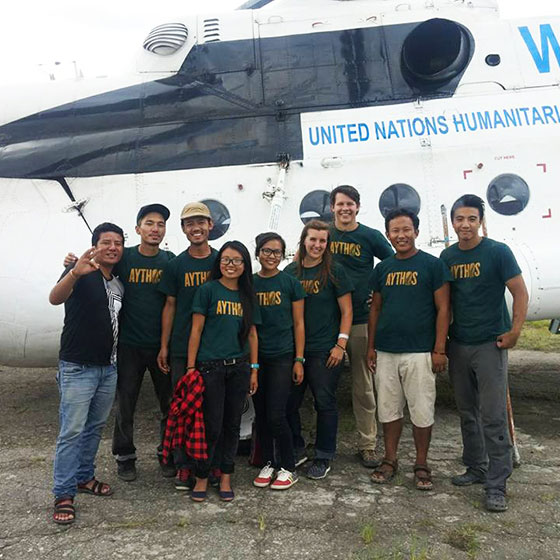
[[343, 516]]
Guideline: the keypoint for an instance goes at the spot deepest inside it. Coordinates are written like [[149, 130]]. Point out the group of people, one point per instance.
[[210, 332]]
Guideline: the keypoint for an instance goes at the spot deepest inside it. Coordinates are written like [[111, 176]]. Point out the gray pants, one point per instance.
[[479, 377]]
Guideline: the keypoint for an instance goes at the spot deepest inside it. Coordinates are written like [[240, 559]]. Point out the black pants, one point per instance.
[[225, 393], [324, 383], [132, 364], [270, 400]]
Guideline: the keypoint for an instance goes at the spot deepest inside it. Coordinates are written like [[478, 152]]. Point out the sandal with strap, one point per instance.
[[422, 477], [64, 509], [97, 488], [383, 476]]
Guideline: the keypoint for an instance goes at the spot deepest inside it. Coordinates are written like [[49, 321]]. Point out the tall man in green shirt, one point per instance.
[[140, 270], [355, 246], [480, 335]]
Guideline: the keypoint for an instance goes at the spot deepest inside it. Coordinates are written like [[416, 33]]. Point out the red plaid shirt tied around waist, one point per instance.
[[185, 421]]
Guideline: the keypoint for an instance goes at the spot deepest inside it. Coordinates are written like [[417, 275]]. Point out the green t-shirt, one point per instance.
[[140, 316], [355, 251], [181, 279], [275, 296], [224, 315], [407, 321], [322, 313], [477, 294]]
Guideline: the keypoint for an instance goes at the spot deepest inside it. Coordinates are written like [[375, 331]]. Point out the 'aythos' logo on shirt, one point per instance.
[[343, 248], [403, 278], [194, 279], [269, 298], [144, 275], [468, 270], [229, 308], [311, 286]]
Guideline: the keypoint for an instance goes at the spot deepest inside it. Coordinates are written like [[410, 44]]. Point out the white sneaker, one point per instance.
[[265, 476], [284, 480]]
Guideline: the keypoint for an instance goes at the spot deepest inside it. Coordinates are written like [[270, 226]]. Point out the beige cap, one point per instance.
[[195, 209]]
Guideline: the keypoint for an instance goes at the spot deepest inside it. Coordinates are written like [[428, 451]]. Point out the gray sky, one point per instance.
[[96, 33]]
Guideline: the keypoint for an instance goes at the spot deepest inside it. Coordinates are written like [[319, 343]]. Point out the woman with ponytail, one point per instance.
[[223, 346], [328, 319]]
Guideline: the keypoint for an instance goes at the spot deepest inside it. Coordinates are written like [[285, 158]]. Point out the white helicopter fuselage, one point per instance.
[[269, 151]]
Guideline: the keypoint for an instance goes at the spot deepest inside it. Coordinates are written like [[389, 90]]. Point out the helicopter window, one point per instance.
[[435, 52], [399, 195], [315, 205], [508, 194], [220, 217]]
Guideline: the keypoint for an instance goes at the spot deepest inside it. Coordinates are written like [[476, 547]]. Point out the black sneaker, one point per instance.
[[318, 469], [467, 478], [126, 470], [168, 470], [184, 480]]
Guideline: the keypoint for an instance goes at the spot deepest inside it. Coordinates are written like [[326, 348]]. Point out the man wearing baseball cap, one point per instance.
[[181, 278], [140, 270]]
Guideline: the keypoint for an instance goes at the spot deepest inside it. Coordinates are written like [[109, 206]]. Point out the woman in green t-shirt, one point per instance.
[[223, 345], [281, 340], [328, 319]]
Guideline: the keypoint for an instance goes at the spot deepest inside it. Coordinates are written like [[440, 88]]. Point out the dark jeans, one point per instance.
[[225, 393], [479, 377], [132, 364], [323, 382], [271, 400]]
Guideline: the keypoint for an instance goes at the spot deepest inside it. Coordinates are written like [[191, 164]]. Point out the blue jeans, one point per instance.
[[86, 397], [323, 382]]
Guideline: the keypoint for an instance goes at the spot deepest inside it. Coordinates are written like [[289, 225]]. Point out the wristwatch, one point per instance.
[[299, 359]]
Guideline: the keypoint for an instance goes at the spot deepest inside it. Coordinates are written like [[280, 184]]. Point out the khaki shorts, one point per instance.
[[405, 379]]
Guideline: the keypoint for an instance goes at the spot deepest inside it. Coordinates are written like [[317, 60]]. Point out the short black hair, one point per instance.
[[469, 201], [103, 228], [397, 213], [264, 238], [348, 190]]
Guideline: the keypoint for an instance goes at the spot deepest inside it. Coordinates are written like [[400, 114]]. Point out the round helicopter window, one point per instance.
[[399, 196], [220, 217], [508, 194], [315, 206]]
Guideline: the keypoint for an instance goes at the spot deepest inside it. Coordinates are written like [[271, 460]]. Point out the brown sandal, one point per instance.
[[64, 509], [383, 476], [97, 488], [422, 477]]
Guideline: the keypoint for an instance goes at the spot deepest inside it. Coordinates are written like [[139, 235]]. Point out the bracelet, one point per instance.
[[255, 366], [341, 347], [73, 274], [439, 353], [344, 336], [299, 359], [191, 367]]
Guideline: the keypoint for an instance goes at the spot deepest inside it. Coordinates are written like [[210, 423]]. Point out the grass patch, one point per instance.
[[465, 538], [536, 336], [368, 533], [183, 522], [261, 522], [548, 497]]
